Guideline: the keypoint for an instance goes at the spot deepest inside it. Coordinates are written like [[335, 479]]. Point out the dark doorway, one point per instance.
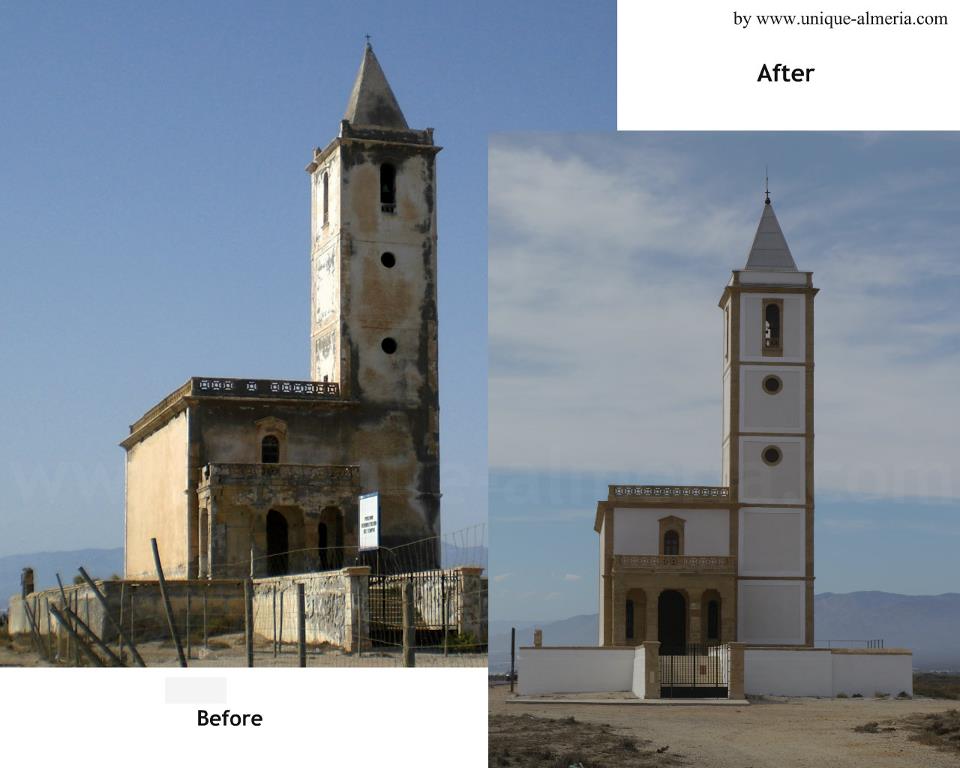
[[672, 622], [277, 544]]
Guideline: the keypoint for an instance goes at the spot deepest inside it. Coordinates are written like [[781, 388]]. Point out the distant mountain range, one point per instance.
[[99, 563], [927, 624]]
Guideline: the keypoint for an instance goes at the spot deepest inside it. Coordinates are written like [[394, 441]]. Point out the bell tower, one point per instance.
[[373, 319], [768, 438], [373, 298]]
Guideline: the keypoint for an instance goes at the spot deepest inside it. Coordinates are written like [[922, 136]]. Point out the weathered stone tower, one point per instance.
[[373, 320]]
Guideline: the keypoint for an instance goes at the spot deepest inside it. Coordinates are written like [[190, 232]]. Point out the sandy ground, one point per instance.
[[774, 733], [230, 651]]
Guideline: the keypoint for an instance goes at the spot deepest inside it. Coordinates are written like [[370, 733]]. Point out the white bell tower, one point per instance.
[[768, 438]]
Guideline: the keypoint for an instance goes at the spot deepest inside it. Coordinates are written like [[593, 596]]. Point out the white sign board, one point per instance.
[[369, 521]]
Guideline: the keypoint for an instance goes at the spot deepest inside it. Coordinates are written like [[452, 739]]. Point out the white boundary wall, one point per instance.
[[578, 670], [827, 672]]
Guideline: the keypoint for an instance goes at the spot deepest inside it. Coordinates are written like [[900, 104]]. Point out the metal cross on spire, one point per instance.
[[766, 178]]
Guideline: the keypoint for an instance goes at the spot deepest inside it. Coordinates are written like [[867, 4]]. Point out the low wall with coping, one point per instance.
[[137, 605], [827, 672], [336, 607]]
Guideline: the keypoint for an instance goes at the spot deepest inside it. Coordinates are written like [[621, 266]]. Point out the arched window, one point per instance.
[[270, 450], [388, 188], [671, 543], [326, 198], [713, 620], [772, 312]]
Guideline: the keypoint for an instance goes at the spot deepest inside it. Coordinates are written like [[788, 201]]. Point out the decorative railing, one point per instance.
[[716, 492], [231, 473], [712, 563], [266, 388]]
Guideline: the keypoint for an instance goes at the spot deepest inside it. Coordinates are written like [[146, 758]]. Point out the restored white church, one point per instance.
[[688, 564], [707, 591]]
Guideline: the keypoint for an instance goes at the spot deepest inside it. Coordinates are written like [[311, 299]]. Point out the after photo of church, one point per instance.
[[721, 460]]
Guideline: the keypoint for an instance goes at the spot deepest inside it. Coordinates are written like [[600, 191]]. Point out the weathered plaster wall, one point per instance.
[[138, 605], [336, 608], [156, 502]]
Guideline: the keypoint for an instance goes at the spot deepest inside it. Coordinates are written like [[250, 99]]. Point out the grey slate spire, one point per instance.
[[770, 250], [372, 102]]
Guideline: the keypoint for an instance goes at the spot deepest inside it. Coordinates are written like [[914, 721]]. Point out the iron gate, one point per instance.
[[437, 598], [695, 671]]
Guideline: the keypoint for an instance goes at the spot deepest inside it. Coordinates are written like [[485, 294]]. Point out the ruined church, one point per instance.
[[226, 473]]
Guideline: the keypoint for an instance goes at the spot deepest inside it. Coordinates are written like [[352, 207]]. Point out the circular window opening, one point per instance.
[[388, 260], [771, 455], [389, 345], [772, 384]]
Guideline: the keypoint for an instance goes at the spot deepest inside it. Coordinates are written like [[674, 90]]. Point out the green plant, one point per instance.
[[842, 695]]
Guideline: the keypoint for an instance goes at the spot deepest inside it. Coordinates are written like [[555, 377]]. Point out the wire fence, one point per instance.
[[359, 614]]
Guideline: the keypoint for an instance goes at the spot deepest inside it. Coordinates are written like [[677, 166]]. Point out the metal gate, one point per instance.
[[696, 671], [436, 605]]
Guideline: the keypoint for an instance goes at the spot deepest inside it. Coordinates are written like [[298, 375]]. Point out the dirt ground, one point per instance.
[[768, 733], [230, 651]]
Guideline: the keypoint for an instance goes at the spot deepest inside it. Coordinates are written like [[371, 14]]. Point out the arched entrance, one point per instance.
[[672, 622], [330, 538], [278, 561]]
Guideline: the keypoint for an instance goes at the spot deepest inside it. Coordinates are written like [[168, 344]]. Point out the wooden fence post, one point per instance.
[[81, 624], [301, 625], [106, 611], [80, 644], [248, 617], [166, 603], [409, 636]]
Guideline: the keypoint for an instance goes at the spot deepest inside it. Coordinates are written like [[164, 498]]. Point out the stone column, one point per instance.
[[651, 656], [356, 613], [471, 597], [653, 605], [694, 615], [735, 684]]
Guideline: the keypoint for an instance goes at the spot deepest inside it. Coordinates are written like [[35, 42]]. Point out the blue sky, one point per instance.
[[154, 219], [608, 254]]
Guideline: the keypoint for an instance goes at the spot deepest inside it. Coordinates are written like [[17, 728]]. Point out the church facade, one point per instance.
[[730, 563], [225, 471]]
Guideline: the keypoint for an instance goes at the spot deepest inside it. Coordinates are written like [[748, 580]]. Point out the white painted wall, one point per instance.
[[705, 531], [781, 412], [869, 674], [574, 670], [783, 483], [825, 673], [772, 542], [792, 324], [770, 612], [600, 601], [787, 673], [639, 673]]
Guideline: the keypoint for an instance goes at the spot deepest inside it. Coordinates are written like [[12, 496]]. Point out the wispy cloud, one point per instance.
[[608, 255], [572, 577]]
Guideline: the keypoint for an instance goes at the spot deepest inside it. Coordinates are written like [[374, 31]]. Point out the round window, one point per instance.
[[772, 384], [388, 260], [389, 345], [771, 455]]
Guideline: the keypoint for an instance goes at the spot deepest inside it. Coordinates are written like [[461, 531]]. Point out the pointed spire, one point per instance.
[[770, 250], [372, 102]]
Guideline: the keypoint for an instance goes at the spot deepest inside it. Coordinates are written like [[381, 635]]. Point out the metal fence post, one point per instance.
[[301, 625], [408, 630], [513, 656]]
